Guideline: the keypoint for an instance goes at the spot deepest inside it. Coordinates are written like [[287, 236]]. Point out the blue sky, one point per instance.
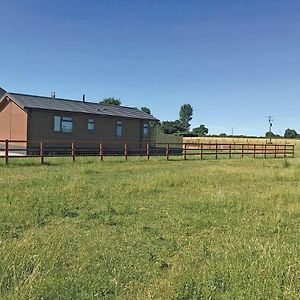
[[235, 62]]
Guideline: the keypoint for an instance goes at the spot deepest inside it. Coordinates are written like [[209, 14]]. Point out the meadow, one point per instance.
[[158, 229]]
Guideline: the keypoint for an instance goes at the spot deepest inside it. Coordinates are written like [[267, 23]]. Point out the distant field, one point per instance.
[[224, 140], [158, 229]]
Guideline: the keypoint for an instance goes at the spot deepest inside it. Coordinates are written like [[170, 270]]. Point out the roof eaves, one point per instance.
[[15, 100], [150, 118], [3, 97]]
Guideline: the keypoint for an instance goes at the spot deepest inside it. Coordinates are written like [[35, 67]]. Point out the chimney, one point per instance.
[[52, 94], [83, 98]]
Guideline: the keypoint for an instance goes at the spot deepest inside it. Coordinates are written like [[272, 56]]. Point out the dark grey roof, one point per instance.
[[2, 92], [48, 103]]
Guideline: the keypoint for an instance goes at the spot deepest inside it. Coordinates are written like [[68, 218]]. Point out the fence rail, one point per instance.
[[43, 149]]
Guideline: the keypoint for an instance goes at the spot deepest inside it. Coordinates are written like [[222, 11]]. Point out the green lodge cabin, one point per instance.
[[34, 118]]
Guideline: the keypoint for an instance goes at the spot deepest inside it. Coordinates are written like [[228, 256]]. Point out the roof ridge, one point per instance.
[[72, 100], [51, 98]]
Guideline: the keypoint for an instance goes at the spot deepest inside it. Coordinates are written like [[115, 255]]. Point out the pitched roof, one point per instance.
[[49, 103], [2, 92]]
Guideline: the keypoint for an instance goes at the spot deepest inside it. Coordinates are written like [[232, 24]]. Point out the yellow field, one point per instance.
[[224, 140]]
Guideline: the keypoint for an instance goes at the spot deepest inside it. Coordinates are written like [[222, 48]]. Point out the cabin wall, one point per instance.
[[41, 127]]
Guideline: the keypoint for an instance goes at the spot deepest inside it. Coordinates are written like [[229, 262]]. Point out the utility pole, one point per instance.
[[232, 129], [270, 118]]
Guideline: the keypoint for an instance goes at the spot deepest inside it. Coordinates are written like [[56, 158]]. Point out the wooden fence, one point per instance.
[[43, 149]]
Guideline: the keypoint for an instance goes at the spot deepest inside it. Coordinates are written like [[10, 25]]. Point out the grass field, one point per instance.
[[225, 229]]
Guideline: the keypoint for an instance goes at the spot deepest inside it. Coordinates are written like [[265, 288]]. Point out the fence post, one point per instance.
[[275, 151], [125, 151], [42, 152], [242, 150], [229, 150], [254, 148], [148, 151], [293, 147], [284, 150], [73, 151], [6, 152], [216, 150], [184, 151], [101, 151], [201, 154], [167, 151], [265, 150]]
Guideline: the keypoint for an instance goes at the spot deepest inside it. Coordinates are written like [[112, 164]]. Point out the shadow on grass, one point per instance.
[[30, 163], [54, 162]]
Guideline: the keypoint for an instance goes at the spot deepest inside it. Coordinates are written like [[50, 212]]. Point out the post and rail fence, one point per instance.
[[44, 149]]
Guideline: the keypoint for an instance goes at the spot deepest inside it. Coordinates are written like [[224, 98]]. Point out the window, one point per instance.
[[119, 129], [146, 130], [64, 124], [57, 123], [91, 125]]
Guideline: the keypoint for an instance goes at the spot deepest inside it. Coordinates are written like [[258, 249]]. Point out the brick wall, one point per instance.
[[13, 121]]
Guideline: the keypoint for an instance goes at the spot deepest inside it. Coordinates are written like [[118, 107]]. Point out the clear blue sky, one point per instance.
[[236, 61]]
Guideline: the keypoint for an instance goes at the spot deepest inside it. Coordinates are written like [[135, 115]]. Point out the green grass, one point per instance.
[[226, 229]]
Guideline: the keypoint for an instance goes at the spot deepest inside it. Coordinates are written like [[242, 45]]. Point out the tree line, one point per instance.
[[288, 134], [182, 125]]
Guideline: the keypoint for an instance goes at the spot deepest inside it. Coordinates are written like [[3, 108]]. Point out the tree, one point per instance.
[[171, 127], [290, 134], [146, 110], [111, 100], [185, 116], [200, 131], [270, 134], [187, 134]]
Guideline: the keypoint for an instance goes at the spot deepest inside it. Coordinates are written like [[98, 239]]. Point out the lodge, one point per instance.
[[38, 118]]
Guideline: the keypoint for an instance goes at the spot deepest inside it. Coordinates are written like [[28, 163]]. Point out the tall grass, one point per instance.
[[226, 229]]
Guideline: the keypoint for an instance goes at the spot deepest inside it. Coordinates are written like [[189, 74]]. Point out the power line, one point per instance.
[[270, 118]]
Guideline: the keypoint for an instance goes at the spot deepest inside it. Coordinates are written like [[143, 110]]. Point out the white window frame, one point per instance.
[[65, 121], [91, 122], [119, 125], [61, 122], [146, 130], [57, 124]]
